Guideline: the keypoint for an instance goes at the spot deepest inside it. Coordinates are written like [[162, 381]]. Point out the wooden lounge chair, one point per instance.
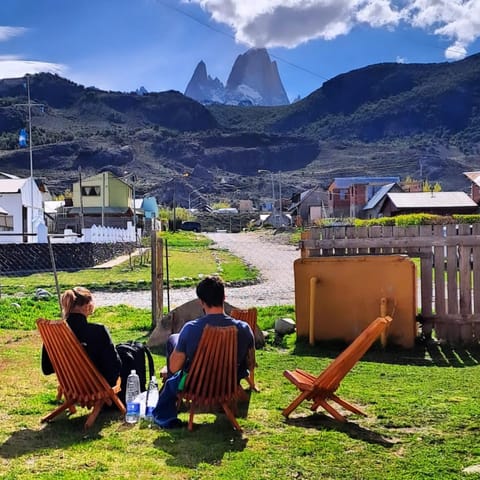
[[212, 378], [80, 383], [322, 388], [248, 315]]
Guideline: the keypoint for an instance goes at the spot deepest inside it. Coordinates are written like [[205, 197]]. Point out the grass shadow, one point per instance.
[[208, 443], [424, 353], [56, 435], [320, 421]]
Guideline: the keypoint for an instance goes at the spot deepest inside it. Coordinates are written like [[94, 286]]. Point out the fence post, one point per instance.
[[157, 278]]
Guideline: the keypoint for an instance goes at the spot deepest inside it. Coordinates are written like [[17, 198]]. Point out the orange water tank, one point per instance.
[[337, 297]]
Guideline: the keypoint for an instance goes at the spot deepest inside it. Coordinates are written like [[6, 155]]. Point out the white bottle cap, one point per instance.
[[133, 371]]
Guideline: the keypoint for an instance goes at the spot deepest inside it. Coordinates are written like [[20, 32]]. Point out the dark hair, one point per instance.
[[211, 291]]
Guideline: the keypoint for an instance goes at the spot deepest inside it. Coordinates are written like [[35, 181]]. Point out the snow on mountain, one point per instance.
[[253, 80]]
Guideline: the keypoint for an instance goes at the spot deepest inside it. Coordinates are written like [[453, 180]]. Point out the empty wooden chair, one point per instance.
[[212, 378], [248, 315], [80, 383], [322, 388]]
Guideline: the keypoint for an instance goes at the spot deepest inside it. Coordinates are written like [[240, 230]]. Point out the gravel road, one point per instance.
[[265, 251]]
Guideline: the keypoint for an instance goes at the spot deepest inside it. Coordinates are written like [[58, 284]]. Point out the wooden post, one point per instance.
[[157, 278]]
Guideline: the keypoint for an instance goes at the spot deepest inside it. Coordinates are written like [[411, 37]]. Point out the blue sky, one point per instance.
[[124, 44]]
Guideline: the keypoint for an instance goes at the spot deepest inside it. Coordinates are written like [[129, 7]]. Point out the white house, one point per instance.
[[22, 200]]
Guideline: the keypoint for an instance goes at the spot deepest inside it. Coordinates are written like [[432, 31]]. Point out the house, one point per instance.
[[309, 205], [438, 203], [21, 200], [374, 206], [102, 199], [348, 195], [474, 177]]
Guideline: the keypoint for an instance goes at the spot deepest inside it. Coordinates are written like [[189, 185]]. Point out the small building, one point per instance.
[[348, 195], [21, 199], [374, 206], [437, 203], [474, 177], [309, 205], [102, 199]]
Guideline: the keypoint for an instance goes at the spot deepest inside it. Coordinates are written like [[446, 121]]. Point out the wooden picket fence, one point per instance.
[[449, 302]]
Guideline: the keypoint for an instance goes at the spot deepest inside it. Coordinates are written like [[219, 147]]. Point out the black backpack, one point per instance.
[[134, 356]]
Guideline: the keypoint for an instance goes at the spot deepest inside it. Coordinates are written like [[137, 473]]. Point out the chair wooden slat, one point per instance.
[[80, 382], [212, 378], [321, 388], [248, 315]]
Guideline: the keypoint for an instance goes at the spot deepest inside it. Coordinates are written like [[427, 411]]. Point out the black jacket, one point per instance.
[[98, 345]]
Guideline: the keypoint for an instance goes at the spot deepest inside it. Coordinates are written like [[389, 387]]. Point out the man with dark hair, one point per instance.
[[181, 347]]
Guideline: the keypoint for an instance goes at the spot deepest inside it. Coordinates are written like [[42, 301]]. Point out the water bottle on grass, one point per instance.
[[132, 392], [152, 399]]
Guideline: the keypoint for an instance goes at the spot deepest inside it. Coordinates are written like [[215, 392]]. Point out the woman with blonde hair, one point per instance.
[[77, 305]]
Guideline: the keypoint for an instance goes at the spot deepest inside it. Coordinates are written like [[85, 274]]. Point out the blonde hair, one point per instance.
[[75, 297]]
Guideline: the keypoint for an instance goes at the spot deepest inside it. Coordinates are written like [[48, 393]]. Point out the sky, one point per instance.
[[121, 45]]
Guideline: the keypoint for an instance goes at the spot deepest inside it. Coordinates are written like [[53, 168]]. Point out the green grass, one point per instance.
[[190, 256], [422, 421]]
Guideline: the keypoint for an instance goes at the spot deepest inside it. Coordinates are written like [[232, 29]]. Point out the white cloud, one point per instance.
[[8, 32], [288, 23], [400, 59], [14, 67]]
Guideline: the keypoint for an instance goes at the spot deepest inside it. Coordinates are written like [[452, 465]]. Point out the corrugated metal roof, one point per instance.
[[473, 176], [378, 196], [11, 185], [346, 182], [428, 199]]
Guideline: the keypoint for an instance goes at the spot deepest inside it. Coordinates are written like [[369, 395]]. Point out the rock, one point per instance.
[[472, 469], [284, 326], [42, 293]]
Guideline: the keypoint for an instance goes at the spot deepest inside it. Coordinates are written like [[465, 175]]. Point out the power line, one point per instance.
[[232, 37]]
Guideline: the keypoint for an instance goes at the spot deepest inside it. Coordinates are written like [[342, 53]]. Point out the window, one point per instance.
[[91, 191]]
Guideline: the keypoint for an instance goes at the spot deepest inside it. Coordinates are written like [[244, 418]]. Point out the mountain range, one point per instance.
[[418, 120], [253, 80]]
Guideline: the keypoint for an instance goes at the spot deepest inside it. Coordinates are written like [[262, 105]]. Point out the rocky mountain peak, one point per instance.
[[254, 70], [202, 87], [253, 80]]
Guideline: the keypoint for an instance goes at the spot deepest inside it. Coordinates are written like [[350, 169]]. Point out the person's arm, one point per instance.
[[110, 360], [176, 361]]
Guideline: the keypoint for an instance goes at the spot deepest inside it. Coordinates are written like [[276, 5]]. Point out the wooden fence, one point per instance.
[[449, 302]]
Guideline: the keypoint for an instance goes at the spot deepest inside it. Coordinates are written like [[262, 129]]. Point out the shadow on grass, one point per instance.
[[424, 353], [208, 443], [319, 421], [60, 433]]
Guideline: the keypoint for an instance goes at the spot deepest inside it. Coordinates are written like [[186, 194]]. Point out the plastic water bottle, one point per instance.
[[152, 398], [133, 391]]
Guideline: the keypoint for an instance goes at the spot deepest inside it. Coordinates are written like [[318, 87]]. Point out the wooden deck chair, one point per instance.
[[80, 383], [212, 378], [248, 315], [322, 388]]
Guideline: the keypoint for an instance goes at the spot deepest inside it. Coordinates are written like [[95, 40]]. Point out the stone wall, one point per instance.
[[35, 257], [234, 223]]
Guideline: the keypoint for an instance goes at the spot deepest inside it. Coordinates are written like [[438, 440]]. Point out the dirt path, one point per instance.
[[273, 258]]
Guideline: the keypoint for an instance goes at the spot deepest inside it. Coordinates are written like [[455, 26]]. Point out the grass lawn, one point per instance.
[[423, 420], [190, 255]]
